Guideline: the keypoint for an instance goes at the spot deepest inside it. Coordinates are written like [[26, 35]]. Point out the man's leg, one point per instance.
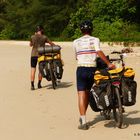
[[83, 100], [33, 70], [39, 80]]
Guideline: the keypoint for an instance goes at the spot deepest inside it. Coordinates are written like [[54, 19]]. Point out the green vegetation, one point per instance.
[[113, 20]]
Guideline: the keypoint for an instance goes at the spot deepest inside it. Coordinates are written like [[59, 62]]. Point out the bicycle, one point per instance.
[[118, 108], [114, 101], [50, 64]]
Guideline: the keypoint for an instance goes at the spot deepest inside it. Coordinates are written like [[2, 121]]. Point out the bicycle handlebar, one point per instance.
[[116, 52], [121, 56], [115, 59]]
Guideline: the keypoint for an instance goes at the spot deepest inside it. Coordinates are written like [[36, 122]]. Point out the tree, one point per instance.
[[113, 20]]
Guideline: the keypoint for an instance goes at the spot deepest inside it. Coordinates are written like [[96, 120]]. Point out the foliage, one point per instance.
[[113, 20], [7, 33], [25, 15]]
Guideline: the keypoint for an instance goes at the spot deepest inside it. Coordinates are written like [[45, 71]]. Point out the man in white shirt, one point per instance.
[[86, 49]]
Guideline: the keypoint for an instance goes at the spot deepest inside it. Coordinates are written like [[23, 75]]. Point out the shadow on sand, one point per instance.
[[59, 85], [111, 123]]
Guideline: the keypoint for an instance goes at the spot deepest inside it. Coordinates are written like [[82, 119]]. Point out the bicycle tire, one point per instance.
[[53, 79], [117, 110]]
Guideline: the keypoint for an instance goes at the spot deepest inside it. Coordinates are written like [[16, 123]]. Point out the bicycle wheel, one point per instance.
[[53, 78], [117, 110]]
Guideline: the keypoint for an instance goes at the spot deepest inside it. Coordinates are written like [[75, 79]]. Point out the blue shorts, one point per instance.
[[85, 78]]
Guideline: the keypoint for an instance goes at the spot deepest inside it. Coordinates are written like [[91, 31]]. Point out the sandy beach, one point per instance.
[[48, 114]]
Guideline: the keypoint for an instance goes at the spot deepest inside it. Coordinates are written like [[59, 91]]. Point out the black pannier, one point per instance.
[[44, 70], [93, 101], [128, 89], [58, 66], [102, 95]]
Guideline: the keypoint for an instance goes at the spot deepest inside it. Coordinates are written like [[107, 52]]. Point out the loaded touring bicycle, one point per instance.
[[50, 63], [113, 90]]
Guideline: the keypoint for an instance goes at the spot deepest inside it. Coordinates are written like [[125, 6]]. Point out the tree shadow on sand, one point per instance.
[[60, 85], [111, 123]]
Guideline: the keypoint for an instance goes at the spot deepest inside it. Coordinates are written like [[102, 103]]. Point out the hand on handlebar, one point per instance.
[[111, 66], [116, 52]]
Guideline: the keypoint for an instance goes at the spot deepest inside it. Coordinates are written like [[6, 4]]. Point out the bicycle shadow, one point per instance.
[[98, 118], [111, 123], [129, 120], [60, 85]]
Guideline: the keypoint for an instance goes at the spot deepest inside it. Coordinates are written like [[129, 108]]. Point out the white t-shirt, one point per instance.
[[85, 50]]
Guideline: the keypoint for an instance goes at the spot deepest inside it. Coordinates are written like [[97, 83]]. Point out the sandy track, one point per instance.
[[47, 114]]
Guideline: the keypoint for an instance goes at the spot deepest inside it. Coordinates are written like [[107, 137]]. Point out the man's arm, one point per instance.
[[74, 49], [75, 54], [50, 42], [31, 44], [103, 57]]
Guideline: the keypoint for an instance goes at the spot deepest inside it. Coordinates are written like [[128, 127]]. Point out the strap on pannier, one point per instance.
[[93, 101]]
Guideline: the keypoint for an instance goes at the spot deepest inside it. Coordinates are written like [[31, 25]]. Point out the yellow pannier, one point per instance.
[[41, 58], [129, 72], [101, 76], [48, 57]]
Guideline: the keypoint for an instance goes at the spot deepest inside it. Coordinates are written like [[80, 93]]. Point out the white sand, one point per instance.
[[47, 114]]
